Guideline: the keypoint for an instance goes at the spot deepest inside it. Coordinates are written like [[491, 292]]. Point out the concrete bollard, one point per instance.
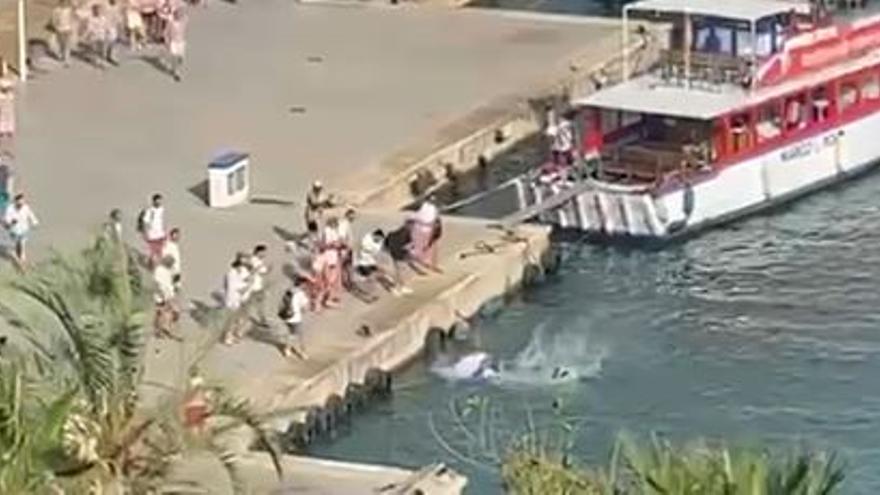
[[378, 383], [532, 274], [355, 397], [435, 343]]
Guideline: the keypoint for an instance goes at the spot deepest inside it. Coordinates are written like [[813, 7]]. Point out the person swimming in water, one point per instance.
[[560, 373]]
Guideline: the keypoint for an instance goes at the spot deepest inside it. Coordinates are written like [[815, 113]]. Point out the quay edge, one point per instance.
[[402, 333]]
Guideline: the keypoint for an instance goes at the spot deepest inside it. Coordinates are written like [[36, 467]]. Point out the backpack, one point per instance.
[[285, 310], [141, 225]]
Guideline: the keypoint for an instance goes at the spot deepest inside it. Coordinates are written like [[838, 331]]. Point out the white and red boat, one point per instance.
[[752, 102]]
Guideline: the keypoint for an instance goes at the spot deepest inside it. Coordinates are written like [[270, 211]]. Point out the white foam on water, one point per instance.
[[471, 367], [547, 354], [548, 359]]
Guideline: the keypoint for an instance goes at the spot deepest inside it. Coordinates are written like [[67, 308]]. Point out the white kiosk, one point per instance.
[[228, 179]]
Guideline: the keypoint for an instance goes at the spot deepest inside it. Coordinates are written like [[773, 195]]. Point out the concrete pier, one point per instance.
[[310, 476], [338, 357], [312, 92]]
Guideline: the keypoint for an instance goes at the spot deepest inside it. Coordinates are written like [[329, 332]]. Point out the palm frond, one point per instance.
[[239, 412]]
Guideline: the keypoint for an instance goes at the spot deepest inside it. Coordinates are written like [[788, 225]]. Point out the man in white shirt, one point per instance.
[[259, 270], [366, 261], [151, 224], [344, 230], [236, 287], [20, 219]]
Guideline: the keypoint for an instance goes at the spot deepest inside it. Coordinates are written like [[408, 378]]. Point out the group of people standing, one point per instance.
[[333, 264], [336, 262], [101, 26], [245, 284]]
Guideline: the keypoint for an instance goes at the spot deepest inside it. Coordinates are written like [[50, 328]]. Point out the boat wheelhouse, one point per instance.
[[751, 102]]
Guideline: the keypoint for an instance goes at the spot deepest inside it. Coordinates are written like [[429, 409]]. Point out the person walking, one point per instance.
[[98, 32], [325, 281], [175, 40], [366, 261], [294, 303], [171, 250], [135, 31], [317, 202], [113, 226], [20, 220], [236, 287], [62, 25], [259, 270], [345, 233], [426, 231], [151, 225], [115, 15], [397, 243], [167, 314]]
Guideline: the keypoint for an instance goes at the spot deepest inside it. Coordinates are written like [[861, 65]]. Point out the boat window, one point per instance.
[[714, 39], [764, 43], [849, 95], [795, 113], [629, 118], [739, 132], [769, 124], [821, 104], [871, 87], [610, 121], [779, 37], [743, 43]]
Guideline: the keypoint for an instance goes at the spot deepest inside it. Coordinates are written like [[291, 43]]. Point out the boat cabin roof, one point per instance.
[[745, 10], [649, 94]]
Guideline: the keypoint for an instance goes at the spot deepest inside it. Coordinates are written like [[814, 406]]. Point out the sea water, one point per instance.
[[766, 331]]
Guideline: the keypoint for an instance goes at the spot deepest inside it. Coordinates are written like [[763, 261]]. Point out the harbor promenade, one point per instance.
[[345, 94]]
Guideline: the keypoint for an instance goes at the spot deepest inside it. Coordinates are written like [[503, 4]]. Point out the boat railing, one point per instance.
[[713, 69], [650, 162]]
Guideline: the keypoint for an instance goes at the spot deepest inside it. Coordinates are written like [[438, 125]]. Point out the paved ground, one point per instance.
[[310, 91], [309, 476]]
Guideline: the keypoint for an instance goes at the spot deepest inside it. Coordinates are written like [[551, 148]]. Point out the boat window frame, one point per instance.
[[848, 86], [803, 120], [870, 78]]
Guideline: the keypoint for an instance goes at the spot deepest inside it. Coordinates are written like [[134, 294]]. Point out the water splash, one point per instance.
[[553, 359], [548, 359]]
